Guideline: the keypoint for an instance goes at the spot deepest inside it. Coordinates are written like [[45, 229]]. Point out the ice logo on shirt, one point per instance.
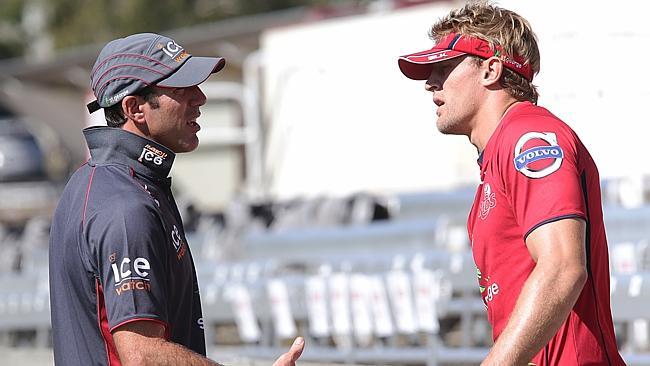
[[130, 275], [178, 243], [152, 154], [176, 238], [488, 202], [537, 154]]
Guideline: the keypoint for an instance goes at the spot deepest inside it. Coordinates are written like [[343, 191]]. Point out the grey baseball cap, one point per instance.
[[126, 65]]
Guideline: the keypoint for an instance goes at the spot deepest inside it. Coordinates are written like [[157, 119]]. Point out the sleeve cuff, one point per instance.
[[132, 320], [553, 219]]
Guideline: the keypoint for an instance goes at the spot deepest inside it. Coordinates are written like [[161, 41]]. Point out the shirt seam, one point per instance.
[[90, 183], [558, 217]]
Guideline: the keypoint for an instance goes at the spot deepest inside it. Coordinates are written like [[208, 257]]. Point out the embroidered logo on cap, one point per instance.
[[537, 154], [173, 50], [436, 56], [117, 97]]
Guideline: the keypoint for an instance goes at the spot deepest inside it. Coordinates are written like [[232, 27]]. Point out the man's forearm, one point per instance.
[[543, 304], [161, 353], [141, 343]]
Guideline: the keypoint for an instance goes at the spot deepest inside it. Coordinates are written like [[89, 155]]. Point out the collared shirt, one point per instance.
[[535, 170], [118, 252]]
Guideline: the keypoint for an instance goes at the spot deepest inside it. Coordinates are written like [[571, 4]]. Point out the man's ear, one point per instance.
[[132, 107], [491, 71]]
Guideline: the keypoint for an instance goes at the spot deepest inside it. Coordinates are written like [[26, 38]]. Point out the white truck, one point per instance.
[[340, 117], [324, 110]]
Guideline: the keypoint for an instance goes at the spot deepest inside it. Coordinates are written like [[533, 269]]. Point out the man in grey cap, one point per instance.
[[123, 287]]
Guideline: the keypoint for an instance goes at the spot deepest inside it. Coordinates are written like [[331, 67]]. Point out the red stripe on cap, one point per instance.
[[125, 65], [135, 55], [454, 45], [431, 57], [480, 47]]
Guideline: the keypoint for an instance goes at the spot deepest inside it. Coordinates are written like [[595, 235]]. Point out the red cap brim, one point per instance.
[[418, 65]]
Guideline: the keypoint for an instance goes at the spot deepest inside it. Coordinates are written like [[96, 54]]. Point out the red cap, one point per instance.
[[418, 66]]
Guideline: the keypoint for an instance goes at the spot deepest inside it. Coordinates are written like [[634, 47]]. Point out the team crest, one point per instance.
[[488, 202], [537, 154]]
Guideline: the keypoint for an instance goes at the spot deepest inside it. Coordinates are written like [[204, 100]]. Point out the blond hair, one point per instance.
[[500, 28]]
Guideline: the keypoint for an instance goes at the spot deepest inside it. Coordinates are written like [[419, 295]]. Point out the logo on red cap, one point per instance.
[[437, 56]]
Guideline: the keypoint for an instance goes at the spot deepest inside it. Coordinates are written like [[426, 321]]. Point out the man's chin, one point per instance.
[[187, 146], [448, 129]]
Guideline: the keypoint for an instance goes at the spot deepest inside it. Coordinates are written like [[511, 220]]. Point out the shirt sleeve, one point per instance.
[[541, 173], [131, 259]]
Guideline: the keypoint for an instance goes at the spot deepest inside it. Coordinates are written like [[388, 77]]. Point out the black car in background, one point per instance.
[[26, 187], [21, 158]]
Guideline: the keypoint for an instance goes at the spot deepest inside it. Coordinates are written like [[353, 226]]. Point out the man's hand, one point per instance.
[[290, 358]]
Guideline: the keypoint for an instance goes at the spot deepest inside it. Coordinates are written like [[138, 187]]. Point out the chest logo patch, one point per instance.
[[537, 154], [488, 202]]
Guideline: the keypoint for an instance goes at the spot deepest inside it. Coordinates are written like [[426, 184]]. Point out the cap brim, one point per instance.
[[193, 72], [418, 66]]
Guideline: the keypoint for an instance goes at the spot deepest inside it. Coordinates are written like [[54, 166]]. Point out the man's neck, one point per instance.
[[488, 119], [138, 129]]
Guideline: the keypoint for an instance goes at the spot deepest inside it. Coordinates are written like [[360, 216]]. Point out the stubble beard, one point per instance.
[[448, 126]]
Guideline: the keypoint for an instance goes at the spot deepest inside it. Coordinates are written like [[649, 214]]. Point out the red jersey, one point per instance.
[[535, 170]]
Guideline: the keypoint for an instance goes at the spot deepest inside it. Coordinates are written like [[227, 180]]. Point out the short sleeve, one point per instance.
[[130, 252], [541, 173]]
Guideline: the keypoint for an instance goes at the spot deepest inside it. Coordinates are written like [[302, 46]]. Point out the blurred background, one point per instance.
[[322, 201]]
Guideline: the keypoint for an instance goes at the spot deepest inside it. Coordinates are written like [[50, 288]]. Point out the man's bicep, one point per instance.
[[560, 242], [140, 328], [135, 339], [141, 343]]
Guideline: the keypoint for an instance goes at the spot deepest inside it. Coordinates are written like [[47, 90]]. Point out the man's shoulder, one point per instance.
[[531, 118], [533, 123], [108, 190], [111, 175], [113, 190], [124, 215]]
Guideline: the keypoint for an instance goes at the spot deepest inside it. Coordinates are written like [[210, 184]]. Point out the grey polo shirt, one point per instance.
[[118, 252]]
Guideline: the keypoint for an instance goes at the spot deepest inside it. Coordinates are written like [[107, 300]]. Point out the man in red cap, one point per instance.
[[536, 225], [123, 287]]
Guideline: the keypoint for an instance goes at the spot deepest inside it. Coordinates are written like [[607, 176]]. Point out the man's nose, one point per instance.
[[198, 97], [433, 83]]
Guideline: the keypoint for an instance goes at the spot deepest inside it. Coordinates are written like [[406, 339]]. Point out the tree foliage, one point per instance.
[[77, 22], [10, 34]]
